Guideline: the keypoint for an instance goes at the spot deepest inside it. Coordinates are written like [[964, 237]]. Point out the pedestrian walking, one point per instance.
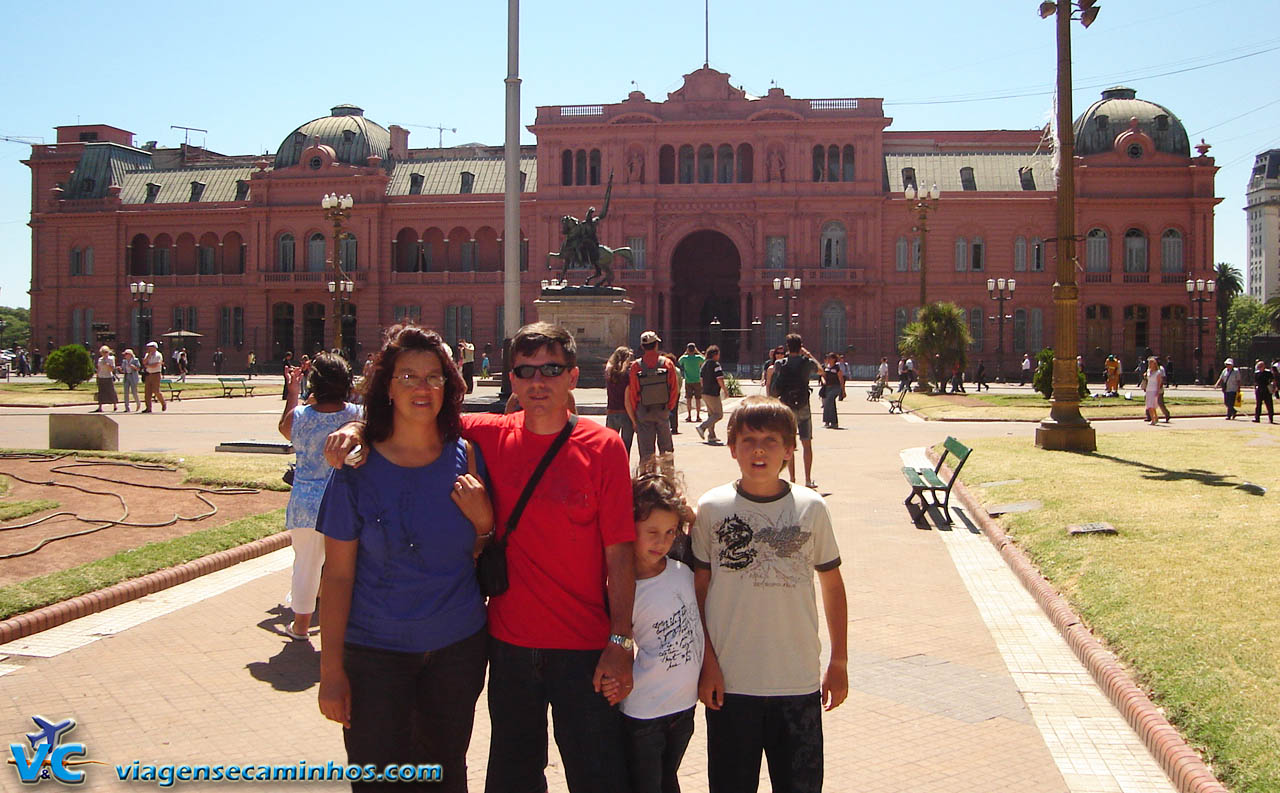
[[285, 366], [105, 368], [1112, 367], [218, 357], [981, 377], [1229, 382], [831, 391], [790, 383], [152, 368], [131, 369], [713, 391], [691, 369], [1263, 383], [616, 378], [882, 372], [1024, 373], [1152, 384], [253, 363], [184, 365], [467, 358]]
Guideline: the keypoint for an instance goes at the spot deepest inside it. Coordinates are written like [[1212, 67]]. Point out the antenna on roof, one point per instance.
[[706, 33], [186, 136]]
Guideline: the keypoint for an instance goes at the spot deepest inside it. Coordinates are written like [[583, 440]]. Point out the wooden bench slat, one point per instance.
[[927, 480]]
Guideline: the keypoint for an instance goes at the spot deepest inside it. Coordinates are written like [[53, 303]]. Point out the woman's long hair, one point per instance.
[[330, 378], [616, 367], [376, 389]]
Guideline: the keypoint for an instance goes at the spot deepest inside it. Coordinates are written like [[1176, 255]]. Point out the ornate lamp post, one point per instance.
[[1200, 292], [787, 289], [336, 209], [1065, 429], [1000, 291], [140, 292], [921, 203]]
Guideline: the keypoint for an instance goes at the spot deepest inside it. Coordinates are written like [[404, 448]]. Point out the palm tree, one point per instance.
[[1230, 283], [1273, 313], [937, 340]]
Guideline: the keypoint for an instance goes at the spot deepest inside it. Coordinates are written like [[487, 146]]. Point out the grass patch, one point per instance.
[[1186, 593], [221, 469], [57, 587], [1033, 407], [44, 394], [21, 509]]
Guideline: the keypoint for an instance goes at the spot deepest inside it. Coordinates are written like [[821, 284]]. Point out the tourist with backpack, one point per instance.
[[790, 383], [653, 391]]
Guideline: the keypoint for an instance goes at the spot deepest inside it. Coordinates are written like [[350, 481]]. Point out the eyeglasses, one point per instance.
[[525, 371], [415, 380]]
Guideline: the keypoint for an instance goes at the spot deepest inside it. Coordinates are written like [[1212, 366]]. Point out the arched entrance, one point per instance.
[[705, 271]]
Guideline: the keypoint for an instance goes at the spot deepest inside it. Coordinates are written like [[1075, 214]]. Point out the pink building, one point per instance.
[[717, 193]]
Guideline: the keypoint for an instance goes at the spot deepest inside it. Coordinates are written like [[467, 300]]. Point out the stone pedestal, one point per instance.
[[599, 319], [83, 431]]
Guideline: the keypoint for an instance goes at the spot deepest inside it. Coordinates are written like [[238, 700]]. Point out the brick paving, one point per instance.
[[933, 705]]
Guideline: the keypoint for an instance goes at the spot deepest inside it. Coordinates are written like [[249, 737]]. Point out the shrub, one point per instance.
[[1042, 380], [731, 385], [69, 364]]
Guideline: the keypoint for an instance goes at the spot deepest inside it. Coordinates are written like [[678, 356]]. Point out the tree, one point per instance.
[[1273, 313], [1042, 380], [70, 364], [937, 340], [1229, 283], [1247, 317], [17, 329]]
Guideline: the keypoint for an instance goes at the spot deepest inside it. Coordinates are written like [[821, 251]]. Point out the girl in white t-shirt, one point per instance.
[[658, 712]]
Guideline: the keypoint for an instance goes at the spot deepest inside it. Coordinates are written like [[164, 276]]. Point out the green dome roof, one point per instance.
[[1098, 127], [353, 138]]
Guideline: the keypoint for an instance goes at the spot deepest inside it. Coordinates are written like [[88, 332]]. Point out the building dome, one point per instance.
[[1098, 127], [352, 137]]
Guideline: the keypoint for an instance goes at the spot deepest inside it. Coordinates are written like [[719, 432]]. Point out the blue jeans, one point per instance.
[[787, 729], [523, 681], [655, 748], [621, 423]]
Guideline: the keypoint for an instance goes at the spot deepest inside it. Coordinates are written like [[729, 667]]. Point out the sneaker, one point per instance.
[[811, 485], [701, 432]]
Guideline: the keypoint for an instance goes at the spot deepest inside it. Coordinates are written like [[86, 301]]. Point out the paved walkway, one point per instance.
[[957, 681]]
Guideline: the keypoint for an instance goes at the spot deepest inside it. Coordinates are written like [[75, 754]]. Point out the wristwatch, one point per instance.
[[625, 642]]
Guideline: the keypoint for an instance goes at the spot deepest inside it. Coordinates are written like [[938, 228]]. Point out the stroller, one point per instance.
[[875, 391]]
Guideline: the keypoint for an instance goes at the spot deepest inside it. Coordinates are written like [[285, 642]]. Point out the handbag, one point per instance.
[[1239, 398], [288, 475], [491, 566]]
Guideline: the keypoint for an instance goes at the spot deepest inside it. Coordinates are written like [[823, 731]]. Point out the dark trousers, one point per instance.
[[469, 375], [788, 730], [522, 682], [1261, 395], [414, 708], [655, 748], [1229, 399]]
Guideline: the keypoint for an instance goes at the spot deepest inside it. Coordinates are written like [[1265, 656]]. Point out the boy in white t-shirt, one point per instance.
[[670, 644], [757, 543]]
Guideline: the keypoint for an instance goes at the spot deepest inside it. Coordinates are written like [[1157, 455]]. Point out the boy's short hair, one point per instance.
[[794, 343], [537, 335], [713, 350], [763, 414]]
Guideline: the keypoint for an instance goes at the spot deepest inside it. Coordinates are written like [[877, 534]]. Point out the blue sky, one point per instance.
[[250, 72]]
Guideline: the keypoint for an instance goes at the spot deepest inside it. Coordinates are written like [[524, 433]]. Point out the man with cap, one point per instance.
[[152, 366], [1229, 382], [653, 391]]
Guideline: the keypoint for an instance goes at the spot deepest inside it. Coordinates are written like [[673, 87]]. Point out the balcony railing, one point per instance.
[[1173, 278], [221, 279], [1097, 278], [635, 276], [1137, 278], [359, 276], [448, 277]]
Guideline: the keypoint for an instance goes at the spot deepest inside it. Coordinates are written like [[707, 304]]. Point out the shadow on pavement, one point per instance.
[[1201, 475], [296, 667]]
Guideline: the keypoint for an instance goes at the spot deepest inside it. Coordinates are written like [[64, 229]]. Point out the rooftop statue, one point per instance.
[[581, 247]]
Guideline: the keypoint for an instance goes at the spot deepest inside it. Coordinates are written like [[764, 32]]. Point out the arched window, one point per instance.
[[901, 251], [847, 171], [1171, 251], [1020, 330], [686, 164], [432, 251], [566, 167], [977, 255], [207, 255], [348, 253], [580, 167], [833, 163], [975, 329], [406, 251], [315, 253], [593, 167], [833, 328], [1020, 254], [706, 164], [746, 163], [962, 254], [833, 244], [1097, 252], [234, 253], [819, 162], [1036, 332], [162, 255], [1135, 251], [281, 330], [916, 253], [667, 165], [139, 255], [284, 253], [1136, 331], [1037, 255], [1097, 332], [724, 164]]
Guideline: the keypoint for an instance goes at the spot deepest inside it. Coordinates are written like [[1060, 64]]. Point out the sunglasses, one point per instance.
[[415, 381], [525, 371]]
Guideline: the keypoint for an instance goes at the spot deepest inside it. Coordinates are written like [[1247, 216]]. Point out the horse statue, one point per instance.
[[581, 247], [603, 264]]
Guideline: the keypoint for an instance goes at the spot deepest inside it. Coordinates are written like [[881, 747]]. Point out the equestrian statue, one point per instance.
[[581, 247]]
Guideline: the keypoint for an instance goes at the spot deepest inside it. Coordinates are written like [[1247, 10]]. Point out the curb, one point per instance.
[[1183, 764], [55, 614], [1037, 421]]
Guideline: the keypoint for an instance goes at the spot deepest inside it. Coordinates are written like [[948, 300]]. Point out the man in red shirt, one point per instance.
[[652, 394]]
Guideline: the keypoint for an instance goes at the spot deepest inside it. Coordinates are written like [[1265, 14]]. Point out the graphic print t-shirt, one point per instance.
[[669, 644], [762, 611]]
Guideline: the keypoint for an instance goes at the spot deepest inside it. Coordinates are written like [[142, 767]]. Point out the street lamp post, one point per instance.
[[337, 209], [140, 292], [1065, 429], [787, 289], [1000, 291], [920, 203], [1199, 292]]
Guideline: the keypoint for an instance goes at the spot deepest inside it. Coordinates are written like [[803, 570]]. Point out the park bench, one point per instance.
[[230, 384], [174, 387], [925, 480], [895, 401]]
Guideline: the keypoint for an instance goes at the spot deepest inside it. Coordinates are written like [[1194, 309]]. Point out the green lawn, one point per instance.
[[228, 469], [1187, 592], [44, 394], [1033, 407]]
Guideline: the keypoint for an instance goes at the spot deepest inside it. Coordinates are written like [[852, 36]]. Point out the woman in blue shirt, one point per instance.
[[402, 620]]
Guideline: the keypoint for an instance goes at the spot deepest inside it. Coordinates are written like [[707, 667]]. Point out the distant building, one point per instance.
[[1262, 207], [716, 192]]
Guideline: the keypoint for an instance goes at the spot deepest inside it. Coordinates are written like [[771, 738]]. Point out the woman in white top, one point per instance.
[[106, 375], [1153, 384]]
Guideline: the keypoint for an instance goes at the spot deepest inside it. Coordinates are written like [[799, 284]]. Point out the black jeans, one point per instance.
[[655, 748], [522, 682], [788, 730], [1229, 399], [414, 708], [1260, 395]]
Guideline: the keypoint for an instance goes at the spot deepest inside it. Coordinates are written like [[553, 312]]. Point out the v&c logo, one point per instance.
[[48, 757]]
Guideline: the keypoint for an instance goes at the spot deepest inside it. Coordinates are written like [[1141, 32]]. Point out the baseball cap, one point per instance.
[[1230, 362], [649, 337], [152, 344]]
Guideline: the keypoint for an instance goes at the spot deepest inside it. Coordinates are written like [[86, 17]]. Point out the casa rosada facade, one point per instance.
[[717, 193]]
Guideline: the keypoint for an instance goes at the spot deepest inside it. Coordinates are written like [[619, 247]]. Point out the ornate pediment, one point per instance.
[[706, 85]]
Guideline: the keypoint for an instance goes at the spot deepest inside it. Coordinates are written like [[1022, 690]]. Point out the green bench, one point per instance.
[[174, 387], [230, 384], [926, 480], [895, 401]]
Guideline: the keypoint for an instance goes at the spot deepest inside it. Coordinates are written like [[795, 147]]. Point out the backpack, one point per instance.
[[654, 389], [790, 383]]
